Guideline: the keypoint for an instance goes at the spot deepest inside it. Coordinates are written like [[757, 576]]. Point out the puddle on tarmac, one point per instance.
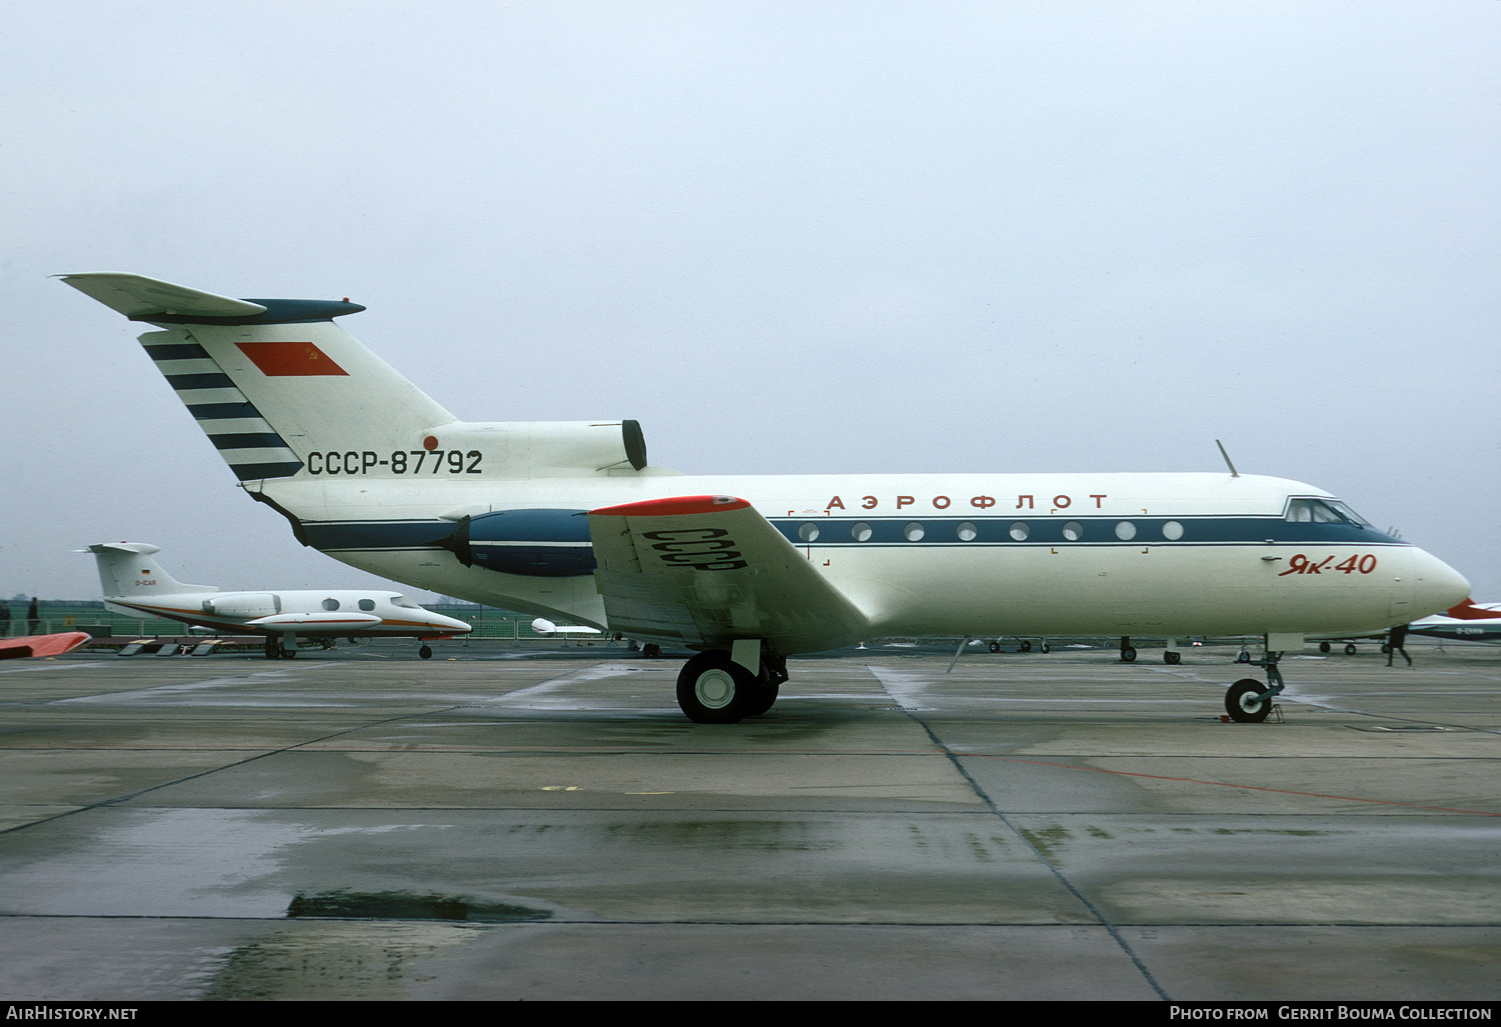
[[395, 905]]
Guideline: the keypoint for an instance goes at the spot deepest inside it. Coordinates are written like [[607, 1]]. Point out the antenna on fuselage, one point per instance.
[[1233, 472]]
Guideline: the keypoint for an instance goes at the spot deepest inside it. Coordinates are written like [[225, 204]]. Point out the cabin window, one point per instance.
[[1020, 530], [1125, 531], [967, 532], [330, 604], [1073, 531], [808, 532], [367, 605], [861, 532], [914, 532], [1172, 530]]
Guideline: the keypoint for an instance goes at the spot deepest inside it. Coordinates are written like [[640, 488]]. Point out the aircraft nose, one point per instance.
[[1438, 585]]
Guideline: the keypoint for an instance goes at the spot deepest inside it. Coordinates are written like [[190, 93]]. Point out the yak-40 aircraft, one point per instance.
[[135, 583], [568, 520]]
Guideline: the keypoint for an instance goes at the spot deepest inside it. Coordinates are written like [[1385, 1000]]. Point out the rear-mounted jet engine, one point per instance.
[[539, 543]]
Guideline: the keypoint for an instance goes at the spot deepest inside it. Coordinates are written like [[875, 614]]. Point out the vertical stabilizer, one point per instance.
[[271, 381], [130, 569]]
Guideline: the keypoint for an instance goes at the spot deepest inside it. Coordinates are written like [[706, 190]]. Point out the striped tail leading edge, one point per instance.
[[282, 391]]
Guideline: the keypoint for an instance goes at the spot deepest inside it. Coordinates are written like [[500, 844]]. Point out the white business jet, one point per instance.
[[134, 583], [566, 520]]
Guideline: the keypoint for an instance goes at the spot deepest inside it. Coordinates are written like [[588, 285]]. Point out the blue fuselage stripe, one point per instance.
[[890, 533]]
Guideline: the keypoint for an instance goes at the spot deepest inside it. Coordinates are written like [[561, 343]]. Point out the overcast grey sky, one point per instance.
[[786, 237]]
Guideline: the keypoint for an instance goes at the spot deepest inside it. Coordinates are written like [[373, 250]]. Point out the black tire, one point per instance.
[[1128, 655], [1350, 649], [761, 698], [289, 654], [1171, 657], [1242, 657], [1244, 710], [1046, 648], [426, 652], [1026, 647], [1324, 647], [714, 689], [995, 647]]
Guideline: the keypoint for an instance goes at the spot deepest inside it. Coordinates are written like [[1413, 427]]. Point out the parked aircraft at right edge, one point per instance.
[[1467, 622], [565, 520]]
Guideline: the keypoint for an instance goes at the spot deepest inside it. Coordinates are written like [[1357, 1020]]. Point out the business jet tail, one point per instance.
[[129, 569]]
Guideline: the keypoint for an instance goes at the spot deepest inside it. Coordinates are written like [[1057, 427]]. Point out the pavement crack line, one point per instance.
[[957, 762]]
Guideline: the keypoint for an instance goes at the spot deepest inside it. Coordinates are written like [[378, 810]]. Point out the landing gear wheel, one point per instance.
[[995, 647], [289, 654], [1242, 657], [1243, 706], [1046, 648], [1128, 654], [1323, 647], [1172, 657], [1350, 649], [1026, 647], [760, 698], [272, 649], [714, 689], [426, 652]]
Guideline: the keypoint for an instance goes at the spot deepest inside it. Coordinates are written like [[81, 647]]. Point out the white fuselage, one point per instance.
[[1006, 554], [352, 613]]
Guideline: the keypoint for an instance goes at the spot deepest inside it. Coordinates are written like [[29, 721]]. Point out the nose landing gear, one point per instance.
[[1249, 701]]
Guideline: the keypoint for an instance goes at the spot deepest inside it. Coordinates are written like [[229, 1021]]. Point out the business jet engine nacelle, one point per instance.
[[243, 604]]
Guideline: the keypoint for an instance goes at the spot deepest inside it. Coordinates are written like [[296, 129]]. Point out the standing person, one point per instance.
[[1394, 640], [32, 617]]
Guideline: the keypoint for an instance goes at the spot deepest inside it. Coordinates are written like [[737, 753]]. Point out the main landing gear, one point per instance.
[[277, 648], [1249, 701], [714, 689]]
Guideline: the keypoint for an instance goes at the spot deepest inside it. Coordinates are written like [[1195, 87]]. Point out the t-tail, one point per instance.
[[282, 391], [130, 569]]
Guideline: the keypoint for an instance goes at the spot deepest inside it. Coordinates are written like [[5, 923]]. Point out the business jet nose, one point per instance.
[[1438, 585], [455, 626]]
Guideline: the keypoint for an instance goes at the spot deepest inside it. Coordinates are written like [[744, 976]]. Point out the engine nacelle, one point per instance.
[[244, 604], [537, 543]]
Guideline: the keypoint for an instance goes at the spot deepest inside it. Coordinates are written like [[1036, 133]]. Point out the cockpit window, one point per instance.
[[1344, 511], [404, 603], [1321, 511]]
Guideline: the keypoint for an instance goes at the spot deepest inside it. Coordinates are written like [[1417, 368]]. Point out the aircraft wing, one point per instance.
[[292, 621], [704, 571], [41, 645]]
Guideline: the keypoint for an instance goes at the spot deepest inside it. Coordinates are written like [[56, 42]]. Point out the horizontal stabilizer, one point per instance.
[[135, 295]]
